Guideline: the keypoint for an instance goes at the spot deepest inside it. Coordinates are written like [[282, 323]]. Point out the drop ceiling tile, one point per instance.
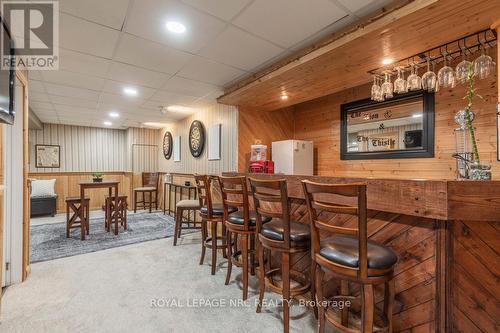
[[110, 13], [38, 97], [223, 9], [240, 49], [83, 63], [120, 100], [286, 22], [65, 91], [34, 75], [74, 111], [169, 98], [115, 87], [148, 18], [189, 87], [135, 75], [40, 105], [87, 37], [36, 86], [71, 79], [60, 102], [208, 71], [122, 109], [151, 55], [365, 8]]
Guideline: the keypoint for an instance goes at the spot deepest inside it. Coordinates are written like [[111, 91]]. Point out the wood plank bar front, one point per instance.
[[446, 235]]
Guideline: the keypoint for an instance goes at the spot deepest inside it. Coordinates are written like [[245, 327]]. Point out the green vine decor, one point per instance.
[[471, 94]]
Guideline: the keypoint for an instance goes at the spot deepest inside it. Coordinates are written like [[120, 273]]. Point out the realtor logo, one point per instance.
[[34, 31]]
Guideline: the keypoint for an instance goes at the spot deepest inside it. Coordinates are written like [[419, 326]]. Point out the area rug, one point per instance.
[[48, 241]]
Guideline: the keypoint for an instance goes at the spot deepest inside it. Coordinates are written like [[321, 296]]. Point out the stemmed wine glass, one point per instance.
[[429, 79], [400, 83], [376, 89], [446, 75], [483, 65], [387, 86], [414, 82], [462, 69]]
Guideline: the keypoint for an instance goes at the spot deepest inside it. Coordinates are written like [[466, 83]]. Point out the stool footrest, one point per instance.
[[296, 276]]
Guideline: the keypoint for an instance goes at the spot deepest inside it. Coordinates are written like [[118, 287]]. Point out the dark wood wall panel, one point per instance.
[[265, 127], [475, 277], [414, 239]]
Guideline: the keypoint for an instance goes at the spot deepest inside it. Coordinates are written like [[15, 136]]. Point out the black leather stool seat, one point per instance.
[[217, 210], [237, 218], [274, 230], [343, 250]]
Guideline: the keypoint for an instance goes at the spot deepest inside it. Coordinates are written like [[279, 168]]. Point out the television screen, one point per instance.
[[6, 81]]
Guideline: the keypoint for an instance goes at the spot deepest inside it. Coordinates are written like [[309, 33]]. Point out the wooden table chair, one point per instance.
[[280, 235], [73, 208], [213, 214], [109, 204], [240, 225], [348, 255], [149, 185]]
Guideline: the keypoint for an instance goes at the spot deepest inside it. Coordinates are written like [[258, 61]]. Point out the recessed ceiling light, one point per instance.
[[114, 114], [176, 27], [130, 91], [387, 61], [284, 97], [108, 123]]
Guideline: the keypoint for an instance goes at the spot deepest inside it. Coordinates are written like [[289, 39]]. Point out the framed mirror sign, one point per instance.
[[402, 127]]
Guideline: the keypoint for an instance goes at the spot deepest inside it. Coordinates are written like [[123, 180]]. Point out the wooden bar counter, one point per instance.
[[447, 237]]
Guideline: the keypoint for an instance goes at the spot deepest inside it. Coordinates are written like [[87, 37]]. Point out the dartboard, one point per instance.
[[196, 138], [167, 145]]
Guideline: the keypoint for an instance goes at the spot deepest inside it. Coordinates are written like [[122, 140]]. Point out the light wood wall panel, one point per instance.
[[319, 121], [67, 185], [223, 114], [87, 149], [263, 127]]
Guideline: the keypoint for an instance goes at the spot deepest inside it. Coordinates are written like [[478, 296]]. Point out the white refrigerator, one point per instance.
[[293, 157]]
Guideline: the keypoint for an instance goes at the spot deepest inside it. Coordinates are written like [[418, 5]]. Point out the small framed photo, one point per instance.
[[47, 156]]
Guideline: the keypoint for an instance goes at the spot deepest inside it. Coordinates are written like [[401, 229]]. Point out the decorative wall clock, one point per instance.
[[196, 138], [167, 145]]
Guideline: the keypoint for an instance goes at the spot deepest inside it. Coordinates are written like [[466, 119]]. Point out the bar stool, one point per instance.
[[180, 207], [150, 186], [240, 224], [280, 235], [214, 214], [109, 203], [348, 255], [74, 207]]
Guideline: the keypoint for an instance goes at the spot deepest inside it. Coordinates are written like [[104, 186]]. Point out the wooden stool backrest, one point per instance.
[[270, 198], [203, 187], [320, 197], [234, 193], [150, 179]]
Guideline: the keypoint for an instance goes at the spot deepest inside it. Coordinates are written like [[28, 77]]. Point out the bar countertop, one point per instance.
[[435, 199]]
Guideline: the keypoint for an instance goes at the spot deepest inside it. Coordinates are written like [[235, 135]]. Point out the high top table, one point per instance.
[[110, 185]]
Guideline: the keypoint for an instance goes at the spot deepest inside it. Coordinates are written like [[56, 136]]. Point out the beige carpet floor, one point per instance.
[[146, 287]]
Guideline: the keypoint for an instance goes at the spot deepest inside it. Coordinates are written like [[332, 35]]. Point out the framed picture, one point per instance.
[[214, 134], [400, 127], [47, 156]]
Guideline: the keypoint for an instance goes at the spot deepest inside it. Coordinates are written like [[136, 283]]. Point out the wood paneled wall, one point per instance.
[[263, 127], [319, 120], [86, 149], [218, 113], [67, 185]]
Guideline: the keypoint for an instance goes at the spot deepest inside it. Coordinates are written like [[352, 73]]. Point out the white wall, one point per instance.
[[218, 113], [13, 199]]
